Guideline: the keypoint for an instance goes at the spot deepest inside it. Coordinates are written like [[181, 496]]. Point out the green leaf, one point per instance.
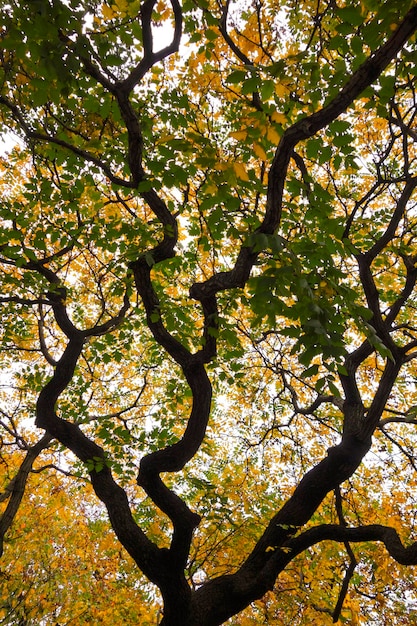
[[333, 389], [211, 34], [313, 147], [237, 76], [250, 85], [267, 89], [149, 259], [387, 88], [351, 15], [310, 371]]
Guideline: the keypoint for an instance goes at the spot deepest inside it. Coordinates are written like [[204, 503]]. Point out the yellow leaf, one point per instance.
[[278, 118], [108, 12], [164, 137], [240, 171], [240, 135], [272, 135], [281, 90], [212, 188], [121, 6], [21, 79], [221, 166], [259, 151]]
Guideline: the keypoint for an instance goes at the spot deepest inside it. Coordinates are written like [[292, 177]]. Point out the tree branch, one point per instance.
[[364, 76], [405, 555], [350, 570], [18, 485], [150, 57]]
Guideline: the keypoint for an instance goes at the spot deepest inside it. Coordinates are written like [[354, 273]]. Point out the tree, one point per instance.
[[208, 293]]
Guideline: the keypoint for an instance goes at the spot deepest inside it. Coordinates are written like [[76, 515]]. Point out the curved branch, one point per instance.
[[362, 78], [150, 57], [275, 548], [111, 323], [42, 342], [408, 456], [350, 570], [18, 485], [373, 302], [390, 231], [405, 555], [315, 404], [365, 260], [147, 555], [121, 90], [223, 29], [410, 283], [174, 457], [57, 299], [381, 396], [256, 101]]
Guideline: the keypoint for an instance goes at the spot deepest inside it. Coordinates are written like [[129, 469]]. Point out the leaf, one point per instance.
[[237, 76], [239, 135], [267, 89], [240, 171], [259, 151], [250, 85], [273, 136], [351, 15], [107, 12], [278, 118]]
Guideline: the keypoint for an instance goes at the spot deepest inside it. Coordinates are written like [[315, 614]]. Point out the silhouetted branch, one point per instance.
[[17, 486]]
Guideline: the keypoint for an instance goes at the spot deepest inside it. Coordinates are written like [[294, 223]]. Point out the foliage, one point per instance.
[[63, 563], [208, 268]]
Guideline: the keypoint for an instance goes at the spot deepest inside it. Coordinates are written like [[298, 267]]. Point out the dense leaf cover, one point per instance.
[[208, 310]]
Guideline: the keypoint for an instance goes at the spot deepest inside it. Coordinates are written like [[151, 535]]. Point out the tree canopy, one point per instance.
[[208, 312]]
